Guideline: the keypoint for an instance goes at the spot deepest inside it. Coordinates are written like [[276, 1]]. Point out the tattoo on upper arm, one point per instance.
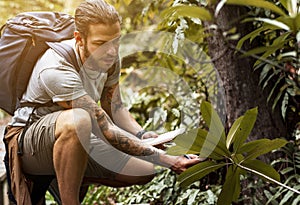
[[96, 112], [113, 97], [88, 104]]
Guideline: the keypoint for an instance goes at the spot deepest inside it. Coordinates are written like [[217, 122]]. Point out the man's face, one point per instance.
[[101, 47]]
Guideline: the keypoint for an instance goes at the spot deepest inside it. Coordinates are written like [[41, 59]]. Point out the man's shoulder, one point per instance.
[[50, 52], [51, 58]]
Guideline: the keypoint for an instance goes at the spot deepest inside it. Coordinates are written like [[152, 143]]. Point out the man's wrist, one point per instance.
[[162, 159], [167, 160], [140, 134], [157, 157]]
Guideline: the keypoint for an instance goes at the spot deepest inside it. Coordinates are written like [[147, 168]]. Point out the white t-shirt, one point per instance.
[[54, 79]]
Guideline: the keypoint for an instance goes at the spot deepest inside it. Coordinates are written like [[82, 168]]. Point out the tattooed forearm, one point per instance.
[[118, 138], [132, 146]]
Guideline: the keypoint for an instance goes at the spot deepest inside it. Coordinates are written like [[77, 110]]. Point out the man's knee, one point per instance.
[[74, 123]]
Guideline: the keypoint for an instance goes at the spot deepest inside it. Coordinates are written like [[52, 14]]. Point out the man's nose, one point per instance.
[[113, 49]]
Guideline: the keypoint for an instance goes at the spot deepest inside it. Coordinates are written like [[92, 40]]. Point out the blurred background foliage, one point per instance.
[[156, 108]]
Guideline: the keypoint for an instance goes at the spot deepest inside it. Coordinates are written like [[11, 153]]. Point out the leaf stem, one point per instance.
[[269, 178]]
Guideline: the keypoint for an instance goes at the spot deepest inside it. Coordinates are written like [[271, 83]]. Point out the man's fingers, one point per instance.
[[149, 134], [193, 160], [193, 156]]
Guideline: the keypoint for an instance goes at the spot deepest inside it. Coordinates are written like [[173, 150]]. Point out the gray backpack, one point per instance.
[[24, 38]]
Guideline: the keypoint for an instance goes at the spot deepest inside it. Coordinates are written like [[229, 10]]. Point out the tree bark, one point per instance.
[[240, 81], [241, 84]]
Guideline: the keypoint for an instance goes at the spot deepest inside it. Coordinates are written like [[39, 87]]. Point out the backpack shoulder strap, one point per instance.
[[65, 51]]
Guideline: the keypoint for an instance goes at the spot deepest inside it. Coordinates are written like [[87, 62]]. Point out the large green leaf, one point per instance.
[[284, 3], [178, 150], [264, 169], [277, 23], [231, 188], [199, 141], [213, 122], [258, 3], [212, 147], [290, 6], [250, 146], [190, 140], [198, 171], [232, 132], [186, 11], [244, 128], [255, 149], [297, 22], [289, 21]]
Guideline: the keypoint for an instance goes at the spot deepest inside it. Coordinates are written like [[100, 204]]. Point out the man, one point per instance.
[[75, 138]]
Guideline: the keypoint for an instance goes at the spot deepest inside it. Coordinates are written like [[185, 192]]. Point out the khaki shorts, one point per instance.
[[37, 159]]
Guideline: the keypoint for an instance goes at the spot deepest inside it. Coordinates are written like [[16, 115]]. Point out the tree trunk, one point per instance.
[[241, 84], [240, 81]]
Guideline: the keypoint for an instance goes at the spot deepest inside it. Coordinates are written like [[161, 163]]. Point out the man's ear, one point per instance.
[[78, 38]]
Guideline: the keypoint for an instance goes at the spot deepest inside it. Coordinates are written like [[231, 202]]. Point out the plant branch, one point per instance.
[[269, 178]]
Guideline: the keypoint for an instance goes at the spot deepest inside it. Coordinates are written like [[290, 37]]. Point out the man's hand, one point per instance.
[[179, 164], [149, 134]]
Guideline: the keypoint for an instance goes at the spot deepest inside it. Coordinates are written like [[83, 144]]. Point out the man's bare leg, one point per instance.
[[69, 155], [135, 172]]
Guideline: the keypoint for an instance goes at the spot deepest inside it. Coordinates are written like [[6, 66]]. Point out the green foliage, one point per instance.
[[173, 13], [288, 167], [172, 102], [161, 105], [278, 54], [256, 3], [290, 172], [162, 190], [154, 101], [184, 19], [231, 151], [50, 199], [279, 64]]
